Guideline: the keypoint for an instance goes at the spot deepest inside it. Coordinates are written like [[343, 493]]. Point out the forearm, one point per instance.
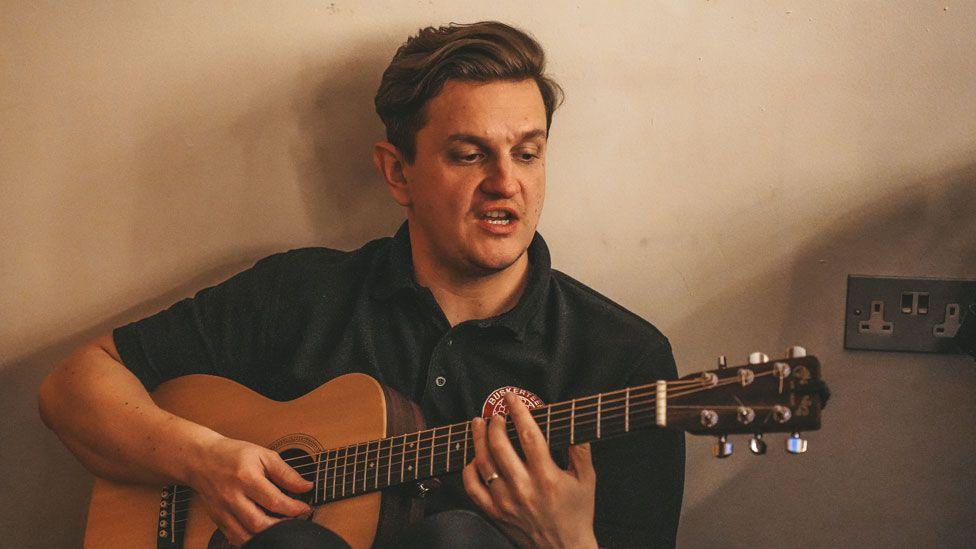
[[102, 413]]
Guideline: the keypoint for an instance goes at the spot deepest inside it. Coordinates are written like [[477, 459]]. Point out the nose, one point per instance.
[[501, 180]]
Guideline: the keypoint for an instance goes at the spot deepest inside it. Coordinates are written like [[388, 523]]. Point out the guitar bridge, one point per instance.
[[174, 503]]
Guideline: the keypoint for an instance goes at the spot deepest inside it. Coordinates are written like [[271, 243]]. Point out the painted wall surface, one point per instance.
[[718, 167]]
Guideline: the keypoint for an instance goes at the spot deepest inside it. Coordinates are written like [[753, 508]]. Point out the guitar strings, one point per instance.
[[344, 462], [638, 401]]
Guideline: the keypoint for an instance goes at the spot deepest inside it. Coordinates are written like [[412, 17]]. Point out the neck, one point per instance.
[[470, 296], [373, 465]]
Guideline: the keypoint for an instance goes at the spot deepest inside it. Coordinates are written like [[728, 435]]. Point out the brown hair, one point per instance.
[[477, 52]]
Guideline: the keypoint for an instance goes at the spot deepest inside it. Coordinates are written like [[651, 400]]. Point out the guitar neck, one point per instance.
[[377, 464]]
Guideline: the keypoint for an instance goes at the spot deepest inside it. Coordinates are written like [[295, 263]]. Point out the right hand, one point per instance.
[[236, 479]]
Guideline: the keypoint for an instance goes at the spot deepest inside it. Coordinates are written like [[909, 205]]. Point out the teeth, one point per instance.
[[497, 214], [498, 221]]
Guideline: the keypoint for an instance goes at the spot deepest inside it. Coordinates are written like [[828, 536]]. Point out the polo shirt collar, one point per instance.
[[396, 274]]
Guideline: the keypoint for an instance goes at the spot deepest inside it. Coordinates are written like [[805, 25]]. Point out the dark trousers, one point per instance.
[[457, 528]]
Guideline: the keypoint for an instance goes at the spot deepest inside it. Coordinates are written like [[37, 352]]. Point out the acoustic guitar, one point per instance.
[[360, 464]]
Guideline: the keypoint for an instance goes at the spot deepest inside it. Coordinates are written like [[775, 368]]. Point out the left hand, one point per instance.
[[534, 502]]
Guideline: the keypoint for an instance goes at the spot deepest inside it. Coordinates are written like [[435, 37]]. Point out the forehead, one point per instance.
[[492, 110]]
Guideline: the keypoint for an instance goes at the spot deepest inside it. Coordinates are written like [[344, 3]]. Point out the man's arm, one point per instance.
[[104, 415]]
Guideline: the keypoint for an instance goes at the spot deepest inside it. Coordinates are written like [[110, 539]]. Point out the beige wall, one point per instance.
[[718, 167]]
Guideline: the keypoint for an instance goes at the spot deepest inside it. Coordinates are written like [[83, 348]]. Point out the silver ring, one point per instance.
[[491, 478]]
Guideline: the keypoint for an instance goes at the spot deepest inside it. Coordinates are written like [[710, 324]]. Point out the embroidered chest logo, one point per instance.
[[495, 403]]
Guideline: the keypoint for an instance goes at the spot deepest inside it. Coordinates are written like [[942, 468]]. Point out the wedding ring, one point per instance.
[[491, 478]]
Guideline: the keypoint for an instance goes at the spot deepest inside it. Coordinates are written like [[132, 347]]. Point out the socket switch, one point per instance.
[[905, 314]]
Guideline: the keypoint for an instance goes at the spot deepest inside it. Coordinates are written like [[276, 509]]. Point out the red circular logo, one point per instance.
[[495, 403]]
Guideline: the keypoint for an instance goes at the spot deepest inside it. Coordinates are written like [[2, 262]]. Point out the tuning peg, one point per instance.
[[757, 445], [722, 362], [795, 444], [758, 358], [722, 448], [796, 352]]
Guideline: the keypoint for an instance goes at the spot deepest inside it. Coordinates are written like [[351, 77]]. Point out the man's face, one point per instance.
[[478, 180]]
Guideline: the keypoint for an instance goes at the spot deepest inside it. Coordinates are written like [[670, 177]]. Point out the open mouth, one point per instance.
[[498, 217]]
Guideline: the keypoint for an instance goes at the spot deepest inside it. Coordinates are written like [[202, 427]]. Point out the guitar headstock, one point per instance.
[[784, 395]]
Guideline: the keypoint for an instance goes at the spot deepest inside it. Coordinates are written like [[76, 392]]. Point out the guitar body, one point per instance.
[[349, 409]]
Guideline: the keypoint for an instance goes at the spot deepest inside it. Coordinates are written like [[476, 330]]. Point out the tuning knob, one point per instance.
[[722, 447], [795, 444], [796, 352], [758, 358], [757, 445], [722, 362]]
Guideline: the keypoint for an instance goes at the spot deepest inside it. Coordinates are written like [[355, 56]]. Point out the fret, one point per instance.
[[318, 476], [389, 461], [599, 409], [403, 456], [371, 466], [433, 450], [450, 447], [467, 428], [416, 457], [572, 423], [548, 422], [355, 468], [336, 480], [627, 411]]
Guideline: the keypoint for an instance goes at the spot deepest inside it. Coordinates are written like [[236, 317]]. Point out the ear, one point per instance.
[[389, 162]]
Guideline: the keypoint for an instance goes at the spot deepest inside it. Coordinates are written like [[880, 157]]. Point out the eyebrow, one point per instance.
[[474, 139]]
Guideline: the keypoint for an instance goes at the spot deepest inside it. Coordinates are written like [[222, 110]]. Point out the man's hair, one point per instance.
[[476, 52]]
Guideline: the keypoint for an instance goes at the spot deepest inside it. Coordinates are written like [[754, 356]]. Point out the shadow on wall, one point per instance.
[[339, 126], [887, 468], [45, 491]]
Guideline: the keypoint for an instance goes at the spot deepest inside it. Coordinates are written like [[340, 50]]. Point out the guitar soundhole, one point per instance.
[[302, 462], [299, 460]]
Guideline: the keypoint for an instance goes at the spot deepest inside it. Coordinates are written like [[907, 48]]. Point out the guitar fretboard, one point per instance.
[[377, 464]]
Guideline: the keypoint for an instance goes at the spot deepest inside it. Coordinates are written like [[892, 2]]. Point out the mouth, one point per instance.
[[498, 217], [498, 220]]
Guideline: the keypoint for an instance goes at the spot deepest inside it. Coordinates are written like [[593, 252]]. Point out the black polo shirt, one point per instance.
[[297, 319]]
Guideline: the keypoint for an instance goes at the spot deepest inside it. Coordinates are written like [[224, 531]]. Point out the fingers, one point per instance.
[[533, 442], [509, 463], [482, 457], [283, 475], [269, 496], [581, 463], [477, 490], [240, 519], [232, 529]]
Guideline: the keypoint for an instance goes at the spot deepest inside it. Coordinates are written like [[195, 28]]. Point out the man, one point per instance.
[[457, 309]]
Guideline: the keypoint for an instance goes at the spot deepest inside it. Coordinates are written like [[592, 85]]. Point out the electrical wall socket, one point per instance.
[[905, 314]]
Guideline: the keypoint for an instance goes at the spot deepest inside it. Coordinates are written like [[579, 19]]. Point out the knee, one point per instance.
[[455, 528], [297, 534]]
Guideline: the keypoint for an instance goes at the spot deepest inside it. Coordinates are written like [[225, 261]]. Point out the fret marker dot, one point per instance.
[[370, 464], [409, 467]]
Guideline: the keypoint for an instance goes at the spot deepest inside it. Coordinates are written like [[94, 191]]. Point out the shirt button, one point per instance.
[[440, 381], [450, 341]]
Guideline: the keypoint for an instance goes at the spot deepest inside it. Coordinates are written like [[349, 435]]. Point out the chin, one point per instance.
[[493, 263]]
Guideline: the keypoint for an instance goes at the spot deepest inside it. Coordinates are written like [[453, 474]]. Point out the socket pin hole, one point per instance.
[[952, 310], [886, 327], [939, 330], [877, 307]]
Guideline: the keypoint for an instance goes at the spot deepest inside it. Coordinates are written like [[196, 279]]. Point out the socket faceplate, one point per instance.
[[915, 314]]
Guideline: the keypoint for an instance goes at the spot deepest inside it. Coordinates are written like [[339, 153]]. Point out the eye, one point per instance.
[[467, 157], [527, 156]]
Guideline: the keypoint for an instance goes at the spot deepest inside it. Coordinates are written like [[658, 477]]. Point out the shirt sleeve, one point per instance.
[[222, 330], [640, 477]]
